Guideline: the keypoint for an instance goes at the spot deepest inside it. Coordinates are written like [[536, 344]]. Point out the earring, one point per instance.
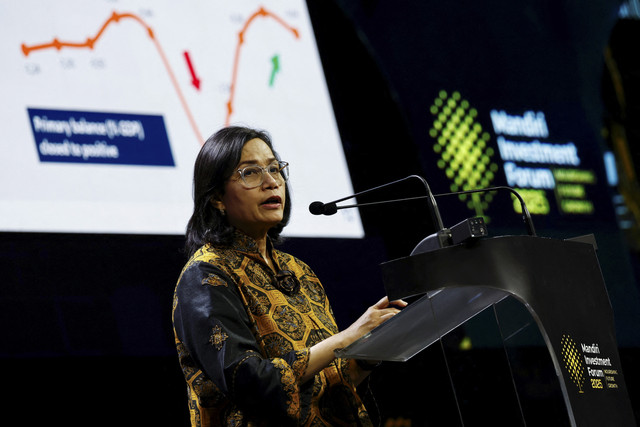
[[223, 212]]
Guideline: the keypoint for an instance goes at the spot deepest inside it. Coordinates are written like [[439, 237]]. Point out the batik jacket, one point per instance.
[[243, 334]]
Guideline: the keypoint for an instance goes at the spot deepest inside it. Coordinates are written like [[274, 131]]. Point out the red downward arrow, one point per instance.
[[195, 81]]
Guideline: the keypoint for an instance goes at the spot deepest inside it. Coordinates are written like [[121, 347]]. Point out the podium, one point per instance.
[[560, 284]]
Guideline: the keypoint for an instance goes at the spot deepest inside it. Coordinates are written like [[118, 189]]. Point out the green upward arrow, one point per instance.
[[275, 69]]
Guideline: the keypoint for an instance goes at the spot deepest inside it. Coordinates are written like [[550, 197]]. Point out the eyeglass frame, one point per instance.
[[281, 164]]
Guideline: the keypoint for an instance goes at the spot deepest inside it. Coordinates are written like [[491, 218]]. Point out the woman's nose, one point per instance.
[[268, 180]]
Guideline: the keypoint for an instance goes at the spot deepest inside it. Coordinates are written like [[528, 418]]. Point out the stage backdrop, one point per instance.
[[503, 96]]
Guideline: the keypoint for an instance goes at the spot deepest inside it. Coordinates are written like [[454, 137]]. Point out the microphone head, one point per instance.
[[330, 209], [316, 208]]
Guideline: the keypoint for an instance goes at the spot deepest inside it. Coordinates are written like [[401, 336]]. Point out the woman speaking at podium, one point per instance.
[[254, 330]]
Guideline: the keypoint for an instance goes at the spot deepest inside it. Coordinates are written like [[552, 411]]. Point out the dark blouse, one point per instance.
[[243, 335]]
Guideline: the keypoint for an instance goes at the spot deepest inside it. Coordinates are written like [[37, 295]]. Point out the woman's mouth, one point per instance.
[[272, 202]]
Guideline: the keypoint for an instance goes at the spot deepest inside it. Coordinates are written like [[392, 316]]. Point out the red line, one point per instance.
[[90, 42], [261, 12]]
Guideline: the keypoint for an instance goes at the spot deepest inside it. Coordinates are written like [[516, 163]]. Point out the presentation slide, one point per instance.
[[106, 104]]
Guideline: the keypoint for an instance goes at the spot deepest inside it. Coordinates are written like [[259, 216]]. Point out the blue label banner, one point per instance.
[[63, 136]]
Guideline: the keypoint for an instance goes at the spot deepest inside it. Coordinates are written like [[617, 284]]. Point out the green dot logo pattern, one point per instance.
[[572, 361], [462, 144]]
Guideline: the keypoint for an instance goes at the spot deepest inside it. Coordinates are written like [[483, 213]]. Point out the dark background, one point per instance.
[[86, 319]]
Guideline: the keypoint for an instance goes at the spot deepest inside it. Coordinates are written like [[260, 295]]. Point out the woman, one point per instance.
[[254, 330]]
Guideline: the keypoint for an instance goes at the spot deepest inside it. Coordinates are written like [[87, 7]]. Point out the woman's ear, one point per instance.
[[216, 203]]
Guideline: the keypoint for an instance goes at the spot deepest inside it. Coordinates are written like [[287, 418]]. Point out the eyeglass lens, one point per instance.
[[253, 176]]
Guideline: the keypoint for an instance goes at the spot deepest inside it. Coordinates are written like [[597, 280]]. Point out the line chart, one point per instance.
[[108, 97], [90, 42], [260, 13], [115, 17]]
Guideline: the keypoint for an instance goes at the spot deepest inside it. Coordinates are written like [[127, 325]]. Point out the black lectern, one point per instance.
[[560, 284]]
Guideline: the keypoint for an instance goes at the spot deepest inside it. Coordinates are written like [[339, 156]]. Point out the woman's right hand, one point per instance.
[[323, 353], [375, 315]]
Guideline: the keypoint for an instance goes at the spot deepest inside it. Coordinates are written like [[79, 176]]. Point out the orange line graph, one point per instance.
[[91, 41], [115, 17], [261, 12]]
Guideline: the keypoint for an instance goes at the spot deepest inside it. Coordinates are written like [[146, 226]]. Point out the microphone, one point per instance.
[[319, 208], [470, 228], [526, 216]]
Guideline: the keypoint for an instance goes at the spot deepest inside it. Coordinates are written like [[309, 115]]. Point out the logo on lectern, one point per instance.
[[573, 361]]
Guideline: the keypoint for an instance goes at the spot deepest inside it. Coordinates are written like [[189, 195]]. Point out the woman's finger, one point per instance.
[[388, 315], [399, 302], [383, 303]]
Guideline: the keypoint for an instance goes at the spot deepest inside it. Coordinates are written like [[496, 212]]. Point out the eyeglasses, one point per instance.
[[253, 176]]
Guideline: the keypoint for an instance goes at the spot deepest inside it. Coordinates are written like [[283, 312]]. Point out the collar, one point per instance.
[[286, 280], [243, 243]]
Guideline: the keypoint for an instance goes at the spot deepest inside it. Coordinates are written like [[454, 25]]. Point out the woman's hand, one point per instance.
[[322, 353], [375, 315]]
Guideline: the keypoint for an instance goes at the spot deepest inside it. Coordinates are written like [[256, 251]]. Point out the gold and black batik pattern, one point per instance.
[[243, 333]]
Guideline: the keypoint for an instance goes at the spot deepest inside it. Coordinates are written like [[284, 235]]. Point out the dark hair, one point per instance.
[[214, 165]]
